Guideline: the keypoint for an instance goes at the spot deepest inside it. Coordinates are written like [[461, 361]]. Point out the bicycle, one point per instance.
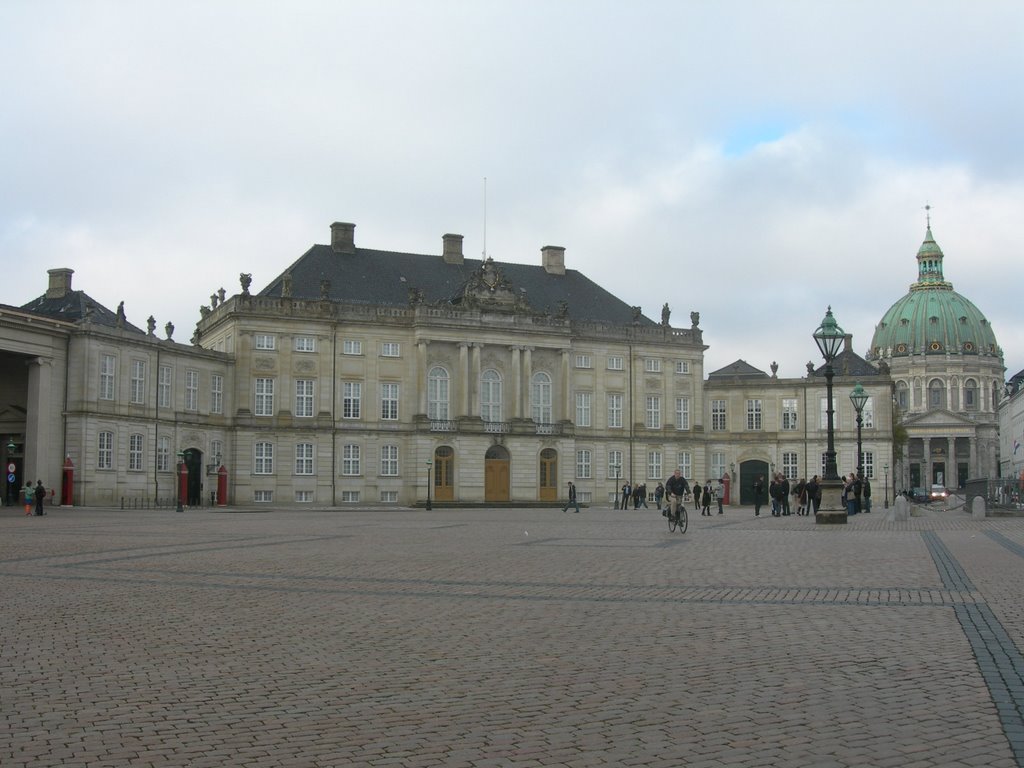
[[680, 521]]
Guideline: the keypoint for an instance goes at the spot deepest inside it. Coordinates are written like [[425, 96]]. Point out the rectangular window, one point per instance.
[[583, 361], [653, 412], [163, 454], [615, 464], [438, 386], [615, 411], [216, 393], [191, 390], [350, 497], [351, 347], [107, 366], [389, 402], [615, 363], [263, 459], [303, 458], [217, 452], [868, 414], [583, 464], [389, 460], [105, 451], [789, 465], [138, 383], [654, 465], [264, 405], [304, 398], [265, 341], [753, 415], [135, 452], [304, 497], [789, 413], [583, 409], [263, 497], [389, 497], [869, 465], [351, 400], [717, 465], [305, 344], [390, 349], [682, 366], [163, 387], [350, 460], [652, 365], [718, 416], [684, 464], [682, 413]]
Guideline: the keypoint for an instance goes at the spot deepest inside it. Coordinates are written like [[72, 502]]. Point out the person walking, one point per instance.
[[697, 497], [814, 494], [784, 494], [641, 496], [758, 490], [659, 494], [572, 499], [28, 493], [858, 491], [627, 495], [720, 494], [40, 495], [705, 500], [866, 493]]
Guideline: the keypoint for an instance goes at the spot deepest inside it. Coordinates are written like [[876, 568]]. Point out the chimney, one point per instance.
[[553, 259], [452, 249], [60, 282], [848, 342], [343, 237]]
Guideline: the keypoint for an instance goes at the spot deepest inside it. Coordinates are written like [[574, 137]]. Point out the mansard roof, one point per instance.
[[78, 307], [739, 369], [369, 276], [849, 363]]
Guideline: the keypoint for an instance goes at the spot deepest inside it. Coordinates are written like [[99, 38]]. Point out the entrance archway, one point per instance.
[[548, 475], [749, 472], [496, 474]]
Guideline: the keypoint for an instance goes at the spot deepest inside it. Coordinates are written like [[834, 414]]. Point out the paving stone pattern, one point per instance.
[[393, 637]]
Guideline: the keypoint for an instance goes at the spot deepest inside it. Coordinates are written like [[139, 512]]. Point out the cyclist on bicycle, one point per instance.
[[675, 487]]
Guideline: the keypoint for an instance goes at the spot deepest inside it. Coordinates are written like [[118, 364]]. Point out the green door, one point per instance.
[[749, 472]]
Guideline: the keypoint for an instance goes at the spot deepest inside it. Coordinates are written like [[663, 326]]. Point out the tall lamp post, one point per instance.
[[181, 471], [829, 337], [886, 468], [615, 488], [429, 483], [859, 398]]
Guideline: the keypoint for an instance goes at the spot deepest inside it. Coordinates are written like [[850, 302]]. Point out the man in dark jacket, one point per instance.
[[572, 499], [675, 488]]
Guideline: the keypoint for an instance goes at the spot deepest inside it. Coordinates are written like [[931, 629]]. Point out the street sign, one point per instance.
[[10, 478], [10, 466]]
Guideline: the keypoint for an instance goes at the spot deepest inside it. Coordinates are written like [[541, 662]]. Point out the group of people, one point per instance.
[[806, 492], [34, 497], [856, 493], [635, 494], [675, 490]]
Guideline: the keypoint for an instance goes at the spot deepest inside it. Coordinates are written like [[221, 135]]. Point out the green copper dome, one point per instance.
[[933, 319]]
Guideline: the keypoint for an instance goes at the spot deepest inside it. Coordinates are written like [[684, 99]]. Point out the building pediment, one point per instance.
[[939, 418]]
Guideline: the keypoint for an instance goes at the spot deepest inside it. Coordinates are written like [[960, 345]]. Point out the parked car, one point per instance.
[[920, 495], [939, 493]]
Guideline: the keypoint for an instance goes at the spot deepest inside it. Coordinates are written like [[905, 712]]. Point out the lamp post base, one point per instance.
[[832, 511]]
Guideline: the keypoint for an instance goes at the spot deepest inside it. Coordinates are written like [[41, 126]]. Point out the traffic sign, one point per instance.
[[10, 466]]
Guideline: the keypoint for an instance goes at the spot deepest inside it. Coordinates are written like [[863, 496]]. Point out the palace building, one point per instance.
[[372, 377]]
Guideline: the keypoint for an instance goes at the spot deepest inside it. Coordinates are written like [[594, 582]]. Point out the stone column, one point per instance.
[[474, 380], [464, 382], [40, 377], [926, 478], [972, 462], [517, 382], [421, 374], [528, 379], [567, 409]]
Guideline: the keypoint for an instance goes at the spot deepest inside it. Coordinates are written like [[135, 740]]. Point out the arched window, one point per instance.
[[902, 395], [970, 395], [438, 388], [490, 395], [936, 394], [540, 398]]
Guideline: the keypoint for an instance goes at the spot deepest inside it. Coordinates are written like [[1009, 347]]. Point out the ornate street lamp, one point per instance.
[[829, 338], [180, 473], [429, 482], [859, 398], [886, 468]]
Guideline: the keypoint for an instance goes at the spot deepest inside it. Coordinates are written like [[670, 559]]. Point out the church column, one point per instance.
[[950, 386], [464, 382], [517, 382], [926, 469], [40, 377], [421, 370], [972, 462], [474, 380]]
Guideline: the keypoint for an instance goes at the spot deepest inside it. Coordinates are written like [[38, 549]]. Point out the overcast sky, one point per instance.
[[753, 161]]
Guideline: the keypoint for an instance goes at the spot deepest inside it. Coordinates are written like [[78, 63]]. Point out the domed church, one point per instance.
[[947, 371]]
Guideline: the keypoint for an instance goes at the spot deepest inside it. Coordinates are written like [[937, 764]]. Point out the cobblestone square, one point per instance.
[[522, 637]]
